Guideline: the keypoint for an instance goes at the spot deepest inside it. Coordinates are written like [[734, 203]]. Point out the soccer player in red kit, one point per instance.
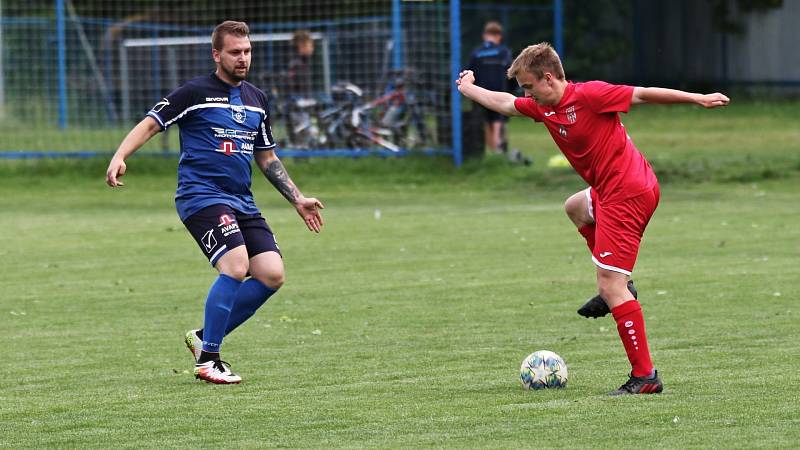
[[583, 119]]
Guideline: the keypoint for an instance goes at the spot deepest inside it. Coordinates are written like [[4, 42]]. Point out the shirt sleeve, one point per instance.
[[603, 97], [172, 107], [264, 139], [528, 107]]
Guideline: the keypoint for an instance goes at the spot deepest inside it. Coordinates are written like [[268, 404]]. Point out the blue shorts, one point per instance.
[[219, 228]]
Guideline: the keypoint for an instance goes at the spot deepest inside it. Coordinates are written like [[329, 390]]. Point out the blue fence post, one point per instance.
[[397, 34], [455, 68], [558, 26], [61, 33]]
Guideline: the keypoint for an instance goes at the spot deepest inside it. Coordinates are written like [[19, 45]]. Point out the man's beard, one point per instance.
[[233, 75]]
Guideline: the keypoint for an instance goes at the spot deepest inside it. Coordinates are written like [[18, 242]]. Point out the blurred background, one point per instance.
[[76, 74]]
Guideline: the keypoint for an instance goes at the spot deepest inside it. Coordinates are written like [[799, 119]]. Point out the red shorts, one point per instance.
[[619, 228]]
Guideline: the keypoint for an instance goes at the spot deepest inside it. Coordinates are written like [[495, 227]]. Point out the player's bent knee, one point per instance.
[[234, 263], [268, 268], [577, 210], [272, 278], [237, 271]]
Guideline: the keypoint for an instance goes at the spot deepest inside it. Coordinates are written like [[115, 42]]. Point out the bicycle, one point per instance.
[[347, 124], [400, 111]]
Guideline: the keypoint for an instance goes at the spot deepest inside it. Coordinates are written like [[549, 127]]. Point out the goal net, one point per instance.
[[76, 75]]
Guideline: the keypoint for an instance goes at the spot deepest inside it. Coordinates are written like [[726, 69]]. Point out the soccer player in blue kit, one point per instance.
[[224, 125], [489, 62]]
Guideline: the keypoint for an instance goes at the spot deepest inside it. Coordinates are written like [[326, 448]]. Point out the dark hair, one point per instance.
[[238, 29]]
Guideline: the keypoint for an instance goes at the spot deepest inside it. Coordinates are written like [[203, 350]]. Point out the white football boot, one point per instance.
[[217, 372]]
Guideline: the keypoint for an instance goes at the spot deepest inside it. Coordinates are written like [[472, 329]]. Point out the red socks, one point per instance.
[[630, 325], [587, 231]]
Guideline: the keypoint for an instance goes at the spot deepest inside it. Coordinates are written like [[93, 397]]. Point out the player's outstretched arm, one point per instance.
[[307, 207], [136, 138], [664, 96], [501, 102]]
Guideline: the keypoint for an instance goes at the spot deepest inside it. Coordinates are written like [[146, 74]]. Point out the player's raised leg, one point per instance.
[[580, 210], [267, 274]]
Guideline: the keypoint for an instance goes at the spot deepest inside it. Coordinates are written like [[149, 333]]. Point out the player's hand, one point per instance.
[[116, 169], [714, 100], [308, 208], [466, 77]]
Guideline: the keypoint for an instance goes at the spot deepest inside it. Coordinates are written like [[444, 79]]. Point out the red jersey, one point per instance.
[[586, 127]]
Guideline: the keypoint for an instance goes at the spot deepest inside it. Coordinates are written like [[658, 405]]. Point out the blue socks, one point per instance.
[[219, 303], [250, 296]]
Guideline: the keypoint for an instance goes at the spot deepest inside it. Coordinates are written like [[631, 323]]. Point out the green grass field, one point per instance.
[[406, 330]]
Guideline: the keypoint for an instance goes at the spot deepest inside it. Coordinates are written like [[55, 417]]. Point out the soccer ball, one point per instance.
[[543, 369]]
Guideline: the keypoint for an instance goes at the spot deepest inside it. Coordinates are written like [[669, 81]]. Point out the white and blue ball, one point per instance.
[[542, 370]]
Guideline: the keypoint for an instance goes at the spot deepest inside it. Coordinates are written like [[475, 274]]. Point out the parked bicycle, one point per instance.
[[393, 121], [400, 110]]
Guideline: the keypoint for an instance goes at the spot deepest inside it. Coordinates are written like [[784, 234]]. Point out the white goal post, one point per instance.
[[172, 44]]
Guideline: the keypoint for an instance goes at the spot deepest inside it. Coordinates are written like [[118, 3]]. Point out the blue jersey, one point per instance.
[[490, 62], [220, 128]]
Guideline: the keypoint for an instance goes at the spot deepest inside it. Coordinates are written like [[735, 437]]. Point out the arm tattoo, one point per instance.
[[276, 174]]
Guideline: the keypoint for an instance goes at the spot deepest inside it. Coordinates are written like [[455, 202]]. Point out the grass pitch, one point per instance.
[[403, 328], [404, 323]]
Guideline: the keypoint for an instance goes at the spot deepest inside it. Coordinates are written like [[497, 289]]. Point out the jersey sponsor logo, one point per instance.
[[572, 116], [227, 133], [216, 99], [227, 225], [229, 147], [562, 131], [225, 219], [549, 113], [239, 113], [160, 105], [604, 254], [209, 241], [628, 323]]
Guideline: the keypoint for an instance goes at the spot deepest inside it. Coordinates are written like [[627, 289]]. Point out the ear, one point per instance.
[[215, 54]]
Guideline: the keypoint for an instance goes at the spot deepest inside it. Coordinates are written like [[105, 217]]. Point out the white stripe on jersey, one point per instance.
[[210, 105], [265, 135], [155, 115]]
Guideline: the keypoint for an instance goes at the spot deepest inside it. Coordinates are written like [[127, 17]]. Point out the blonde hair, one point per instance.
[[238, 29], [537, 59]]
